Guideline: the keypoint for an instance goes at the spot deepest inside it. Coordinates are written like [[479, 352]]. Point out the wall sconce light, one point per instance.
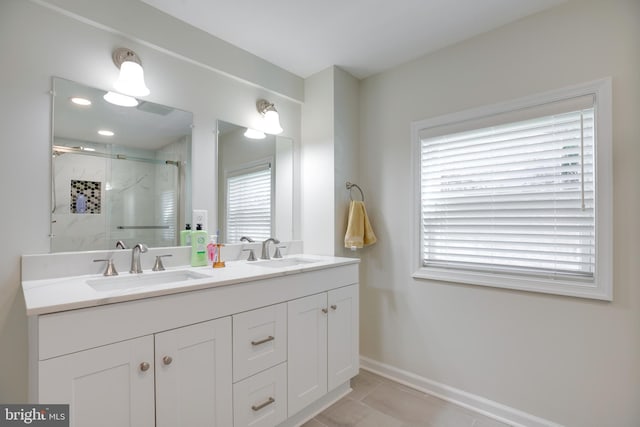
[[254, 134], [131, 79], [271, 117]]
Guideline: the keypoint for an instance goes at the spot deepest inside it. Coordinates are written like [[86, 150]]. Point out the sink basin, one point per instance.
[[284, 262], [135, 281]]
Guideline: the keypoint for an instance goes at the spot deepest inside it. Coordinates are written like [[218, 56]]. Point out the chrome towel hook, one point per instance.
[[350, 187]]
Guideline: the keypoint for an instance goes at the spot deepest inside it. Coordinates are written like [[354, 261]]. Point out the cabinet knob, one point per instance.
[[334, 307], [167, 360], [144, 366], [325, 311]]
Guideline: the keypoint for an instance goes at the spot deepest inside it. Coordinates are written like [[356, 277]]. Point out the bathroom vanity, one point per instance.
[[260, 344]]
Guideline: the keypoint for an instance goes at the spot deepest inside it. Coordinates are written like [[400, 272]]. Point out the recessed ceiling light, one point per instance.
[[80, 101], [105, 132]]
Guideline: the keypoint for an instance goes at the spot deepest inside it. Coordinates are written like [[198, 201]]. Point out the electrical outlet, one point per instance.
[[200, 216]]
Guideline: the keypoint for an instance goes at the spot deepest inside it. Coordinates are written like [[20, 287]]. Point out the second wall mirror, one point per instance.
[[255, 185]]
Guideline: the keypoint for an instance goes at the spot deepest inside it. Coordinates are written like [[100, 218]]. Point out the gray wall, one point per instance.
[[569, 360]]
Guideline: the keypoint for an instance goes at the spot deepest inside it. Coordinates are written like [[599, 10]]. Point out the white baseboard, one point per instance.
[[486, 407]]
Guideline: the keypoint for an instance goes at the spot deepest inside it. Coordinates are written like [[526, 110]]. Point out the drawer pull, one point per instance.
[[262, 341], [144, 366], [325, 311], [167, 360], [267, 402], [334, 307]]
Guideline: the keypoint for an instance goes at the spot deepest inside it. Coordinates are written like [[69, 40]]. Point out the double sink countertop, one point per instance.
[[50, 295]]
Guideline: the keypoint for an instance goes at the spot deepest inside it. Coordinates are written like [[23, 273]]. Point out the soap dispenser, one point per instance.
[[198, 247], [185, 236]]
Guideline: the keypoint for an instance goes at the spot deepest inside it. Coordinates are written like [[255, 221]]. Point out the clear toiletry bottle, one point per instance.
[[211, 249], [81, 203]]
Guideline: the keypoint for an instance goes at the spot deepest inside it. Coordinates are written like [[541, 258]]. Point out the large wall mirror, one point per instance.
[[255, 185], [117, 172]]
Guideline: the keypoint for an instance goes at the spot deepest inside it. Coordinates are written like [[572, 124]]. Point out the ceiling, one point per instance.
[[364, 37]]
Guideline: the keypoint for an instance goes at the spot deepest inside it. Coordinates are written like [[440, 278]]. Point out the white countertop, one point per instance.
[[52, 295]]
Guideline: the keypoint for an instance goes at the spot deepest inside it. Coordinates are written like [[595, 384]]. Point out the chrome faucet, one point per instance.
[[246, 239], [265, 247], [138, 249], [120, 244]]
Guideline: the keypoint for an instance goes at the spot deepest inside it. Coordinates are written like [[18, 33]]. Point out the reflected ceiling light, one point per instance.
[[131, 79], [254, 134], [80, 101], [120, 99], [271, 117], [105, 132]]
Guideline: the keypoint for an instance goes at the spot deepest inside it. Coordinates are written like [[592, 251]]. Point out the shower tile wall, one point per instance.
[[131, 201], [74, 232]]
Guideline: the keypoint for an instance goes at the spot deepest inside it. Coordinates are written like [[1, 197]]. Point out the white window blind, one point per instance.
[[512, 196], [249, 203]]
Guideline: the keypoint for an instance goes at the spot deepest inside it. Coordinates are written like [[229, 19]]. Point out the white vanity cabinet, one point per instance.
[[112, 385], [323, 344], [269, 350], [193, 375], [183, 379], [259, 367]]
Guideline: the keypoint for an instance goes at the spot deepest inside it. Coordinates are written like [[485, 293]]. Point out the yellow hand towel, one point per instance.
[[359, 232]]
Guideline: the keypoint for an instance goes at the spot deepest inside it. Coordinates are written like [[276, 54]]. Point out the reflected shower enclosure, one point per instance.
[[131, 189]]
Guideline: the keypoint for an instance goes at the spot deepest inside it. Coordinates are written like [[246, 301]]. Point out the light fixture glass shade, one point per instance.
[[272, 122], [80, 101], [120, 99], [254, 134], [131, 80]]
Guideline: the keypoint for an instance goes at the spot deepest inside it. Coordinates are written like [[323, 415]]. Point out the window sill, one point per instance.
[[582, 288]]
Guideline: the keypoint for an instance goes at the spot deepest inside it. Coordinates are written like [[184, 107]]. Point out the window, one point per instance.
[[519, 195], [249, 203]]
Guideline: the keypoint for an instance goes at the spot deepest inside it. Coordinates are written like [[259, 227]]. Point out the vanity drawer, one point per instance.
[[259, 340], [261, 400]]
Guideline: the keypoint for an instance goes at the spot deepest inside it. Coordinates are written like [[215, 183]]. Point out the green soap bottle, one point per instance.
[[198, 247], [185, 236]]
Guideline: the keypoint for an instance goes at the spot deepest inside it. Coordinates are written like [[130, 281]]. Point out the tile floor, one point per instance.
[[378, 402]]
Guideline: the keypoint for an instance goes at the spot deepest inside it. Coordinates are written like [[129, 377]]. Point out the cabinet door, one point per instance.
[[106, 386], [306, 351], [343, 336], [193, 375]]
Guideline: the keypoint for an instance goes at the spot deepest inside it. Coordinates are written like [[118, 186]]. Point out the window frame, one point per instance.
[[600, 286]]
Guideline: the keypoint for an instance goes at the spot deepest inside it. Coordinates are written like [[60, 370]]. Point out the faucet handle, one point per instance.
[[252, 255], [278, 254], [158, 266], [111, 268]]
